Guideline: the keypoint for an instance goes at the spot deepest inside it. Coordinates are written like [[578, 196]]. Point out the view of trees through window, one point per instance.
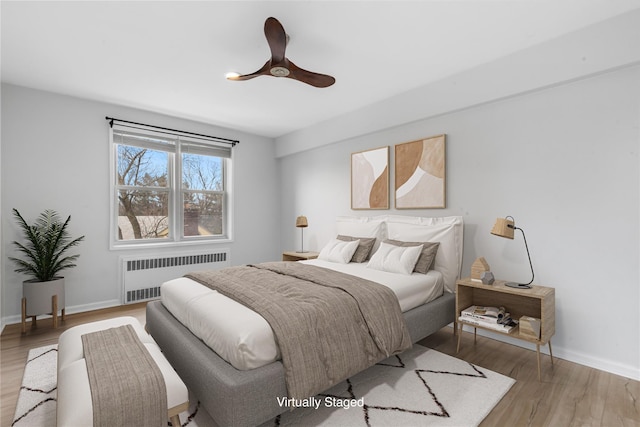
[[145, 191], [202, 194]]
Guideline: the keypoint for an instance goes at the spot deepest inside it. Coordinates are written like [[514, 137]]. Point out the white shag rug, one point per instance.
[[420, 387]]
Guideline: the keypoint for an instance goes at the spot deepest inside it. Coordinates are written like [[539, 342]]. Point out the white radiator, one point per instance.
[[142, 276]]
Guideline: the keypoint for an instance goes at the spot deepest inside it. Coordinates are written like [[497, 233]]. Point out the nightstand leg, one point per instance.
[[475, 335], [550, 351], [459, 335], [538, 350]]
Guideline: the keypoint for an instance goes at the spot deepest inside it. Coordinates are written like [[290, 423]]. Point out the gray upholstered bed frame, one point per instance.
[[248, 398]]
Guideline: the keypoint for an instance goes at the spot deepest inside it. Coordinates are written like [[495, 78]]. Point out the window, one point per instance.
[[168, 188]]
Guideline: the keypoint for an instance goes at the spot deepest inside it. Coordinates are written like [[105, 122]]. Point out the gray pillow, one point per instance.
[[364, 247], [427, 257]]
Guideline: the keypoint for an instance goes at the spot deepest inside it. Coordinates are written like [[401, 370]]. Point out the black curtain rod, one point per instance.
[[233, 142]]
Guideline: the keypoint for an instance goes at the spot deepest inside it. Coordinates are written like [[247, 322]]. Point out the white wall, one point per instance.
[[55, 155], [607, 45], [564, 162]]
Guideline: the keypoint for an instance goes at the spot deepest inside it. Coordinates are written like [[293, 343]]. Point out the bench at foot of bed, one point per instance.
[[75, 406]]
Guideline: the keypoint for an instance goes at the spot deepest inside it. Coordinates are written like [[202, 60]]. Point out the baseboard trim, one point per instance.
[[626, 371], [9, 320], [609, 366]]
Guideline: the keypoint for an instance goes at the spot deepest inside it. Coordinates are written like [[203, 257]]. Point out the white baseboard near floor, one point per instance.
[[9, 320], [626, 371]]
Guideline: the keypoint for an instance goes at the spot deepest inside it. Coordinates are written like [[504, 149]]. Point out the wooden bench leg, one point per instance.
[[175, 421], [174, 413]]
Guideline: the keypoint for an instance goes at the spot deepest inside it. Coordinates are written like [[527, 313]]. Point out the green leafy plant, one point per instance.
[[47, 241]]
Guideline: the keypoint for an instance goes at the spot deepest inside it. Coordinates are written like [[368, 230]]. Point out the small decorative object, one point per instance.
[[478, 267], [420, 173], [530, 327], [487, 278], [370, 179], [505, 227], [301, 223], [47, 241]]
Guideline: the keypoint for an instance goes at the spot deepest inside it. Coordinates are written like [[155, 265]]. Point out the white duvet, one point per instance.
[[244, 338]]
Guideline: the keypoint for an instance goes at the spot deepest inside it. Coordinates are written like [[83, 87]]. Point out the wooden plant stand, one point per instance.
[[54, 314]]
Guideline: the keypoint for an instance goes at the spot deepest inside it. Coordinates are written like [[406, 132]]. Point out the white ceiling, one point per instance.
[[171, 57]]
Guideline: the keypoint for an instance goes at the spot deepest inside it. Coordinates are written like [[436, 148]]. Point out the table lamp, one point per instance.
[[505, 227], [301, 223]]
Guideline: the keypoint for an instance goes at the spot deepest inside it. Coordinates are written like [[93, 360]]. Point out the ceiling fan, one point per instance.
[[279, 65]]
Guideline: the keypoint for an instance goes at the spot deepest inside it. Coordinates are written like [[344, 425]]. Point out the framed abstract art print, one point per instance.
[[420, 173], [370, 179]]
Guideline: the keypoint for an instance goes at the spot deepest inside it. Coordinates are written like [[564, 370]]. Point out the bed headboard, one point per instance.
[[446, 230]]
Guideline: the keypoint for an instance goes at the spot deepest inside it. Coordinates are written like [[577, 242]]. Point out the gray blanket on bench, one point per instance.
[[127, 387], [328, 325]]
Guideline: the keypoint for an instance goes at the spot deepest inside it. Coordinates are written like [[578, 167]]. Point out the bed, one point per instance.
[[239, 388]]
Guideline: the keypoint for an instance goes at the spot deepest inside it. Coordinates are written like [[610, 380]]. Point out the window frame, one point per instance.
[[175, 191]]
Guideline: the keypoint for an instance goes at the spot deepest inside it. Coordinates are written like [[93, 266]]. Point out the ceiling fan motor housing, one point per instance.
[[278, 71]]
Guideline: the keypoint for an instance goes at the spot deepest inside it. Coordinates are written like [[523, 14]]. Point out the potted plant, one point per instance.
[[47, 242]]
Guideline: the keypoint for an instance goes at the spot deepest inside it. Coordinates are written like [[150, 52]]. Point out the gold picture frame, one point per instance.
[[370, 179], [420, 174]]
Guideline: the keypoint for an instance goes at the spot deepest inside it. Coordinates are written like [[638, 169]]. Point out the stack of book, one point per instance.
[[496, 318]]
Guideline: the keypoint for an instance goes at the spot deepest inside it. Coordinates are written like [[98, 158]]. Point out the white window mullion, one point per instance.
[[113, 190], [177, 193], [227, 224], [174, 196]]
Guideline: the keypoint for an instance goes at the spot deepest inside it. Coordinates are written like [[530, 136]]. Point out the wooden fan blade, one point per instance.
[[277, 39], [308, 77], [279, 65], [264, 71]]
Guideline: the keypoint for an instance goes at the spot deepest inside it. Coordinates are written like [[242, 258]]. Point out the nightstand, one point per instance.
[[538, 302], [298, 256]]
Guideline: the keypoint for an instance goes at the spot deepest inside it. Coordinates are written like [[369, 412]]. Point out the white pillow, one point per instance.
[[362, 226], [395, 259], [359, 226], [339, 251], [446, 230]]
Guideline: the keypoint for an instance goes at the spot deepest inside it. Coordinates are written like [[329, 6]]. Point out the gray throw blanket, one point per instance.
[[127, 387], [328, 325]]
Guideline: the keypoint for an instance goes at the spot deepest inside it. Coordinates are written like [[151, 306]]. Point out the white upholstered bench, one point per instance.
[[75, 407]]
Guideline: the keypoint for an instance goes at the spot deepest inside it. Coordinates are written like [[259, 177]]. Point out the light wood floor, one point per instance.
[[568, 395]]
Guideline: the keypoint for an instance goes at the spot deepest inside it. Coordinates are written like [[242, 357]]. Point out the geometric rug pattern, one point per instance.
[[37, 398], [420, 387]]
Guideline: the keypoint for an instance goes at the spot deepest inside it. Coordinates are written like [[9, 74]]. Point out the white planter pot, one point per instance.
[[38, 295]]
